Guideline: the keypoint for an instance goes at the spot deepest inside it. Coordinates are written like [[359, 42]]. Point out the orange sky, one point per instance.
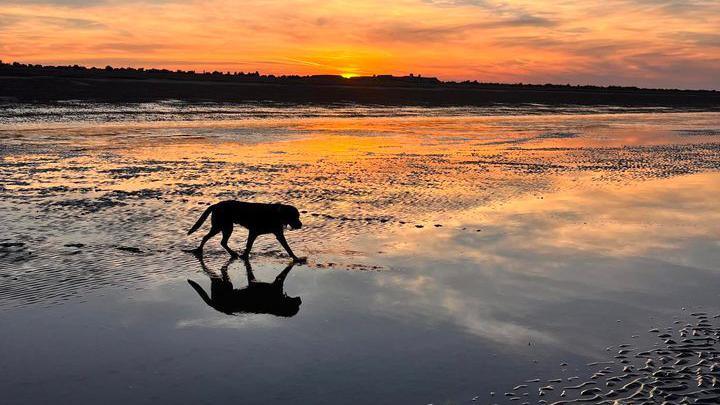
[[655, 43]]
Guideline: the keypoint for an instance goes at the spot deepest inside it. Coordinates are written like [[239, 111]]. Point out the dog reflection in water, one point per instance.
[[257, 297]]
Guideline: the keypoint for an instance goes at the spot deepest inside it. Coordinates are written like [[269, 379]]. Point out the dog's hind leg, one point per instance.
[[213, 231], [227, 230], [249, 245], [249, 271]]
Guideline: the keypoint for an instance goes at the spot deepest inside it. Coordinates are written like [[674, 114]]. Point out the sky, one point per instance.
[[648, 43]]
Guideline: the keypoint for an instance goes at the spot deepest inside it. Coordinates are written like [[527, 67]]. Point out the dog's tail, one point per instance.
[[200, 292], [202, 219], [207, 299]]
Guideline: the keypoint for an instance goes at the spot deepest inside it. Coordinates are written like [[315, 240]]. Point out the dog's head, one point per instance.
[[289, 215], [288, 307]]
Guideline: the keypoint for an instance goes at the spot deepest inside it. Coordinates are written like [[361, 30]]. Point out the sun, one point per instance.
[[348, 75]]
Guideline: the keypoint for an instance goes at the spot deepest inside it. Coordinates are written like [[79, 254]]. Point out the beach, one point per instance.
[[455, 255]]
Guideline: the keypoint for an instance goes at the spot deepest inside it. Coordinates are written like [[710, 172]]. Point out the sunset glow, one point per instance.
[[657, 43]]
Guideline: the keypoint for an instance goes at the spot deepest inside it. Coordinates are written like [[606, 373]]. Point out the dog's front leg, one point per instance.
[[280, 279], [281, 238]]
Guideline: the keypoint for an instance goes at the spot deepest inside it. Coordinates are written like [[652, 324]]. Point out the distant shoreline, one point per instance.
[[39, 84]]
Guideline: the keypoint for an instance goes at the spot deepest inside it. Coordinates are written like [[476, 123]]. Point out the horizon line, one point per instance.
[[343, 76]]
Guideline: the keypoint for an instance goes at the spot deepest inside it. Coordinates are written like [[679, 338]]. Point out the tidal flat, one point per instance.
[[455, 255]]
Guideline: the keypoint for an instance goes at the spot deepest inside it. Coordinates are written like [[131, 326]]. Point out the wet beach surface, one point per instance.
[[455, 255]]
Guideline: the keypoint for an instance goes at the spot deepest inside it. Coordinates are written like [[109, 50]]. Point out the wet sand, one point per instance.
[[453, 253]]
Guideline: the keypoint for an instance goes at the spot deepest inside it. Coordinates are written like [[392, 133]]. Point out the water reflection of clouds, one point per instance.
[[227, 322], [655, 217], [437, 299], [613, 245]]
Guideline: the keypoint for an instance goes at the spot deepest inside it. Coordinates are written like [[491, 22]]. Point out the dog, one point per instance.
[[257, 297], [258, 218]]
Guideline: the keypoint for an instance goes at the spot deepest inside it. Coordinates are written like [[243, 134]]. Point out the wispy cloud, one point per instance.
[[423, 33], [8, 19], [700, 39]]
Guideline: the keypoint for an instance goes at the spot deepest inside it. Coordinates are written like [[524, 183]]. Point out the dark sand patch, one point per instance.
[[698, 132], [683, 367]]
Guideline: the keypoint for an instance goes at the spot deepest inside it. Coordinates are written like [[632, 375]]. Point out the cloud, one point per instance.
[[412, 32], [676, 6], [89, 3], [501, 14], [593, 48], [524, 20], [7, 20], [129, 47], [702, 39], [650, 69], [74, 3]]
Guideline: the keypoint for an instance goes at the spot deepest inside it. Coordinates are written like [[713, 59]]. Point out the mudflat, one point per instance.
[[456, 255]]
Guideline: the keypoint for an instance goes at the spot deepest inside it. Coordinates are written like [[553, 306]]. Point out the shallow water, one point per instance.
[[452, 253]]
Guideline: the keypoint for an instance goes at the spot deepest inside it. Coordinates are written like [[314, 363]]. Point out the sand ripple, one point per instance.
[[682, 368]]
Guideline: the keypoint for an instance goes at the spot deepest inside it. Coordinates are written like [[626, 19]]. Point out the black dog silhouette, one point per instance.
[[257, 297], [258, 218]]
